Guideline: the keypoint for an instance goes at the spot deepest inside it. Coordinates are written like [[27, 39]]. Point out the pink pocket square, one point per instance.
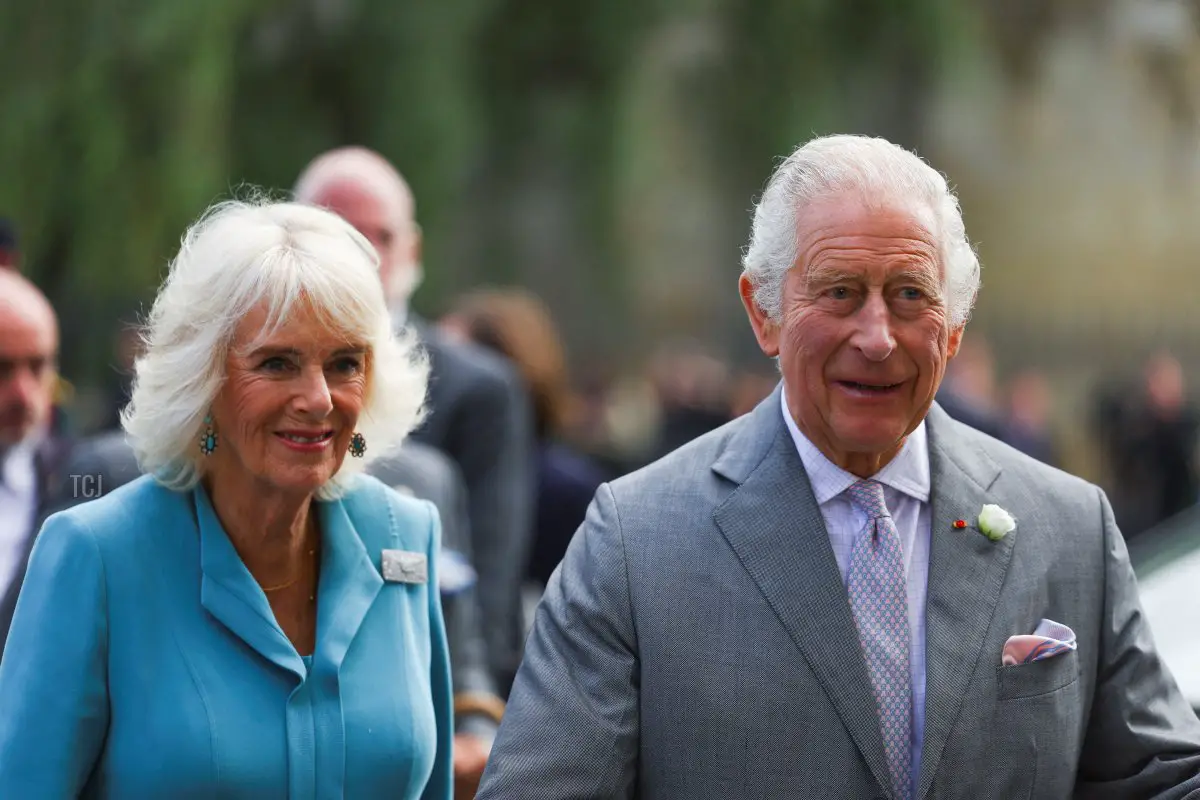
[[1050, 639]]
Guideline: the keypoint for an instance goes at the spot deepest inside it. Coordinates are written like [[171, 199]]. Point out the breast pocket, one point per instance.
[[1037, 678], [1037, 722]]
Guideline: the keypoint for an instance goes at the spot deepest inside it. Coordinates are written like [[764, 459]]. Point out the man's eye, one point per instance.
[[838, 293], [912, 293]]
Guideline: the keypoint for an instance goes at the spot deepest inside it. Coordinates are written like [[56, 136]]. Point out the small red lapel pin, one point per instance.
[[960, 524]]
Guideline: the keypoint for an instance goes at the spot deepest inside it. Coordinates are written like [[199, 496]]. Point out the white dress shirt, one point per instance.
[[905, 482], [18, 504]]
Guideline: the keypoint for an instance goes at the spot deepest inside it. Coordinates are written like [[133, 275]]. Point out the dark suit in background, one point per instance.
[[479, 415], [427, 473]]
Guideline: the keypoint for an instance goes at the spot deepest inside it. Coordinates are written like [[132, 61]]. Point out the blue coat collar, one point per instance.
[[349, 583]]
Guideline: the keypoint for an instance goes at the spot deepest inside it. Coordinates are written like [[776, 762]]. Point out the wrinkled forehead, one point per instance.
[[855, 226]]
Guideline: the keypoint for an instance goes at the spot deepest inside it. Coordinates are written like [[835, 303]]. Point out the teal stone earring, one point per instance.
[[358, 445], [208, 438]]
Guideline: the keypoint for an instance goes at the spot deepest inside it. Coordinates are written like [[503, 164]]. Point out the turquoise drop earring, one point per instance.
[[208, 438], [358, 445]]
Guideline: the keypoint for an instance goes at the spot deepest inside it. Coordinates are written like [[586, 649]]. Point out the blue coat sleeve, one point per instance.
[[440, 785], [53, 679]]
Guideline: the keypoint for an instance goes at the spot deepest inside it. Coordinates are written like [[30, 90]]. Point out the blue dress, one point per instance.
[[145, 662]]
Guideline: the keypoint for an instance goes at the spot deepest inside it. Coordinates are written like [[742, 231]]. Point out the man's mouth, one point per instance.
[[870, 388]]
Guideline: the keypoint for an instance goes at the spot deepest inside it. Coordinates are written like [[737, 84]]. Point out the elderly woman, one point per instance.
[[254, 618]]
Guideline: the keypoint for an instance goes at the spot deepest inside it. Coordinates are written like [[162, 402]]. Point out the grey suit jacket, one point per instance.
[[697, 642], [479, 415]]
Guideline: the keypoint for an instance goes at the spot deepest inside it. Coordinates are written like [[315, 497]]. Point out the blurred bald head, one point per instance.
[[363, 188], [28, 358]]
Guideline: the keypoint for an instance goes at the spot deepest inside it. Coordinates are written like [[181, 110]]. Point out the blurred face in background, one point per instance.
[[28, 356], [387, 223], [863, 338]]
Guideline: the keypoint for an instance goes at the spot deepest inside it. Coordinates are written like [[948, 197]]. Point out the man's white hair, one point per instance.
[[374, 174], [236, 257], [878, 171]]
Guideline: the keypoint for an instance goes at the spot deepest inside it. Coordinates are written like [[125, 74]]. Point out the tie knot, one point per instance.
[[868, 495]]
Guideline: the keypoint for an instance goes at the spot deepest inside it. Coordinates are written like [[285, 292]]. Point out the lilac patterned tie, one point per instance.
[[879, 599]]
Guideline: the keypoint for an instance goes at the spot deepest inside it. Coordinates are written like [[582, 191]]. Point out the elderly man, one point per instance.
[[845, 593], [29, 452], [478, 413]]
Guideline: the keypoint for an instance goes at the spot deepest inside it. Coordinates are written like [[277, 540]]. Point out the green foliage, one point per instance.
[[124, 119]]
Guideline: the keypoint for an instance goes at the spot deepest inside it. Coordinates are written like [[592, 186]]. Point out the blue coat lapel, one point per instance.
[[350, 581], [229, 592]]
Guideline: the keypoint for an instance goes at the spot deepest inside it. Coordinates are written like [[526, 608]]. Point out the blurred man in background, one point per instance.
[[1150, 431], [478, 413], [30, 452]]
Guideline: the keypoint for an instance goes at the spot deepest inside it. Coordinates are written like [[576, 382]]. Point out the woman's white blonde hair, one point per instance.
[[238, 256]]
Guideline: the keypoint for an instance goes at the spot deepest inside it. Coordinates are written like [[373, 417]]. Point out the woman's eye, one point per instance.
[[275, 364], [348, 366]]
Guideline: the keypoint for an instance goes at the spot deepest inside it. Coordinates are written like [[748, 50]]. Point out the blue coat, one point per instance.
[[144, 660]]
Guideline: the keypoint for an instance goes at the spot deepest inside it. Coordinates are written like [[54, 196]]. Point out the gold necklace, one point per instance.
[[269, 589]]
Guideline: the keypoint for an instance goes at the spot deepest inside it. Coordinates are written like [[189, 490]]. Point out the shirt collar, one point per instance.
[[18, 467], [907, 473]]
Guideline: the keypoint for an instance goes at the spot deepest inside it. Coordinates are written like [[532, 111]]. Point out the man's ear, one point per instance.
[[766, 331], [418, 243], [955, 342]]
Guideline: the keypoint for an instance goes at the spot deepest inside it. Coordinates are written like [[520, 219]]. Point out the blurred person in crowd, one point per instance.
[[478, 413], [846, 593], [31, 451], [518, 326], [1149, 432], [1162, 442], [10, 251], [1173, 434], [253, 617], [105, 462], [693, 392], [969, 392], [1028, 424]]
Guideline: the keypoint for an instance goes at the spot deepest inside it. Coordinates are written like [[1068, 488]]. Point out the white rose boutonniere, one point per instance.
[[995, 523]]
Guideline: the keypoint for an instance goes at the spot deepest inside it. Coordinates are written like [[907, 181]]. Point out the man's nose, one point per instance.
[[873, 329]]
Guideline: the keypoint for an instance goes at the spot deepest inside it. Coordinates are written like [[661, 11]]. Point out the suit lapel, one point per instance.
[[774, 526], [966, 574]]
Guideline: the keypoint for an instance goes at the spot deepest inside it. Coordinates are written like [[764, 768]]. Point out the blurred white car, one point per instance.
[[1167, 562]]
